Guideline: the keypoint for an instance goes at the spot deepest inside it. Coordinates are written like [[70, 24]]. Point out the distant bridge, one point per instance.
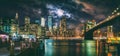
[[108, 21]]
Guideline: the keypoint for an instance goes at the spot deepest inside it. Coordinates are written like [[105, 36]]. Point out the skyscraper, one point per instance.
[[6, 25], [14, 25], [63, 26], [110, 31], [50, 24], [43, 33], [27, 20], [27, 25], [43, 22]]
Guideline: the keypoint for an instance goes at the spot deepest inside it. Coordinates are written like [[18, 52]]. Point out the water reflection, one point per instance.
[[77, 48]]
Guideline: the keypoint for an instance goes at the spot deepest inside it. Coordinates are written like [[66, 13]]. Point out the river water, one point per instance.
[[80, 48]]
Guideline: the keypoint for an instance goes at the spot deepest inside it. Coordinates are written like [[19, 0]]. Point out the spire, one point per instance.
[[16, 17]]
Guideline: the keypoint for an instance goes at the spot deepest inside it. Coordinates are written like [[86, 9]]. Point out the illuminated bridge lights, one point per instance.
[[115, 11], [108, 16], [107, 19], [117, 8], [113, 40], [118, 13], [112, 12]]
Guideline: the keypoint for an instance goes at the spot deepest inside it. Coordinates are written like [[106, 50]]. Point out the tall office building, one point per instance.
[[17, 23], [43, 22], [50, 24], [43, 33], [5, 25], [13, 27], [27, 20], [55, 27], [110, 31], [63, 27], [16, 16], [34, 29], [27, 25]]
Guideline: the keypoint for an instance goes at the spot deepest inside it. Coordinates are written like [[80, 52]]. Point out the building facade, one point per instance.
[[62, 27]]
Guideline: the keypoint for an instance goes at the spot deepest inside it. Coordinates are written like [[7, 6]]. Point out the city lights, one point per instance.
[[59, 28]]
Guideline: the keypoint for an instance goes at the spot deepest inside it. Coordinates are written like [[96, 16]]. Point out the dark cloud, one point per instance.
[[104, 3]]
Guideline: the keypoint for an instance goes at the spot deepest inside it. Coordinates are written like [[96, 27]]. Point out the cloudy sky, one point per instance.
[[76, 11]]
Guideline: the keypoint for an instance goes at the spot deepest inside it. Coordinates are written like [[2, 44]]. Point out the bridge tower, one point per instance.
[[14, 25], [87, 26]]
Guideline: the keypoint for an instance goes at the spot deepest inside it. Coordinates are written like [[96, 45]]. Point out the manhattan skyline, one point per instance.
[[76, 11]]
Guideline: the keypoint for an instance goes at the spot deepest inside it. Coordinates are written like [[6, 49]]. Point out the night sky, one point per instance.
[[76, 11]]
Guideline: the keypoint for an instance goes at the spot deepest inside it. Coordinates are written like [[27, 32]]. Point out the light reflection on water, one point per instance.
[[79, 48]]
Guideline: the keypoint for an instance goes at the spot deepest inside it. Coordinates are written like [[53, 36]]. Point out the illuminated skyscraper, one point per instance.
[[34, 29], [55, 26], [63, 26], [110, 31], [27, 20], [27, 25], [43, 22], [14, 25], [16, 16], [17, 22], [50, 24], [55, 29], [43, 33], [6, 24]]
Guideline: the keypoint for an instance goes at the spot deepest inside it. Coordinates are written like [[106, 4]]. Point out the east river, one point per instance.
[[80, 48], [69, 48]]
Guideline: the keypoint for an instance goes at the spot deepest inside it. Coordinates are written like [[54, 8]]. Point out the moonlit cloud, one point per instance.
[[59, 12], [68, 15], [56, 11]]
